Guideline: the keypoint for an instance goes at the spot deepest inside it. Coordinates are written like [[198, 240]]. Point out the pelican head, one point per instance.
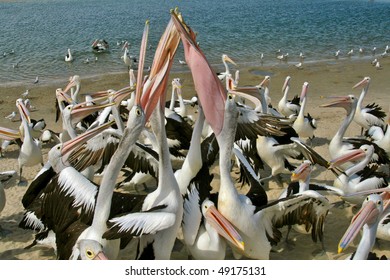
[[91, 250], [302, 171]]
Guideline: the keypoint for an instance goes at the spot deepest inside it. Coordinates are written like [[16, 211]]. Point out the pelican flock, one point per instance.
[[83, 202]]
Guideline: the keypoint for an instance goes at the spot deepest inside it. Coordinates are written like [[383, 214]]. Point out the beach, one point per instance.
[[328, 78]]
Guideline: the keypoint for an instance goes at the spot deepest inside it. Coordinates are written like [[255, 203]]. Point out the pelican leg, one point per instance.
[[21, 181]]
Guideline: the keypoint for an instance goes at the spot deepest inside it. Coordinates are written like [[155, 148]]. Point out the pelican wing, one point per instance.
[[192, 215], [307, 208], [140, 223]]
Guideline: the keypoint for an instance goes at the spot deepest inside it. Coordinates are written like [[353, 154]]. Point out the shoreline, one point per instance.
[[324, 80]]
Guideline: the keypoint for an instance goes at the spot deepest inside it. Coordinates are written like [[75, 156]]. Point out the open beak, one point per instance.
[[353, 155], [369, 213], [301, 172], [154, 88], [24, 112], [223, 227], [210, 90]]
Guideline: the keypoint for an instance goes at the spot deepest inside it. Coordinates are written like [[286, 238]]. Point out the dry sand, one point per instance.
[[325, 79]]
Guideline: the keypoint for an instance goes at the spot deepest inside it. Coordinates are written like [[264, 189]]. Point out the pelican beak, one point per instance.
[[121, 94], [304, 90], [361, 83], [100, 257], [211, 93], [72, 82], [70, 145], [339, 101], [228, 59], [24, 112], [353, 155], [9, 134], [286, 83], [301, 172], [154, 88], [62, 96], [80, 111], [265, 82], [224, 227], [367, 214]]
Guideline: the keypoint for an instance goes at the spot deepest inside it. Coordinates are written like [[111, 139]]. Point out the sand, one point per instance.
[[325, 79]]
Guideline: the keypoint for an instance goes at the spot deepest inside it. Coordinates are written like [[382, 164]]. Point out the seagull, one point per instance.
[[25, 94], [36, 80], [182, 62], [68, 56], [11, 116], [373, 63], [350, 53], [301, 56], [337, 54], [378, 66], [299, 65]]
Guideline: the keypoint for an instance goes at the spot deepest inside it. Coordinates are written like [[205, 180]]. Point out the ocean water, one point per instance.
[[35, 34]]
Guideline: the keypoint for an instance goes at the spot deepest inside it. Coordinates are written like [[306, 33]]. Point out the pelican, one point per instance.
[[69, 56], [351, 181], [5, 176], [286, 107], [30, 152], [304, 125], [367, 218], [221, 112], [370, 115], [225, 60]]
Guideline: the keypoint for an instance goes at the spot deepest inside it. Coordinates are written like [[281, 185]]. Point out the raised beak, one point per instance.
[[264, 82], [62, 96], [301, 172], [353, 155], [154, 88], [286, 83], [24, 112], [73, 82], [369, 213], [210, 90], [304, 90], [223, 227], [70, 145]]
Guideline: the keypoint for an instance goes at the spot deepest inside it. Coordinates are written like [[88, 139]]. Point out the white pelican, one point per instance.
[[351, 181], [5, 176], [367, 218], [225, 60], [221, 111], [30, 152], [100, 45], [304, 125], [69, 56], [371, 114], [161, 213], [286, 107]]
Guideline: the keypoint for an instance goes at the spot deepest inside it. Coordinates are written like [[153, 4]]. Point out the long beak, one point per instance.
[[228, 59], [286, 83], [62, 96], [70, 145], [304, 90], [224, 227], [100, 257], [9, 134], [362, 83], [73, 82], [121, 94], [211, 92], [301, 172], [264, 82], [339, 101], [353, 155], [367, 214], [24, 112], [154, 88], [79, 111]]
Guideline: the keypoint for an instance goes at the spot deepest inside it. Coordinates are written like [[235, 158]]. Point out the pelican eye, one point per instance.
[[230, 96], [138, 112], [89, 254], [58, 148], [379, 202]]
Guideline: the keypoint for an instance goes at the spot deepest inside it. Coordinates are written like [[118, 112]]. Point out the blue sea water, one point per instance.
[[35, 34]]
